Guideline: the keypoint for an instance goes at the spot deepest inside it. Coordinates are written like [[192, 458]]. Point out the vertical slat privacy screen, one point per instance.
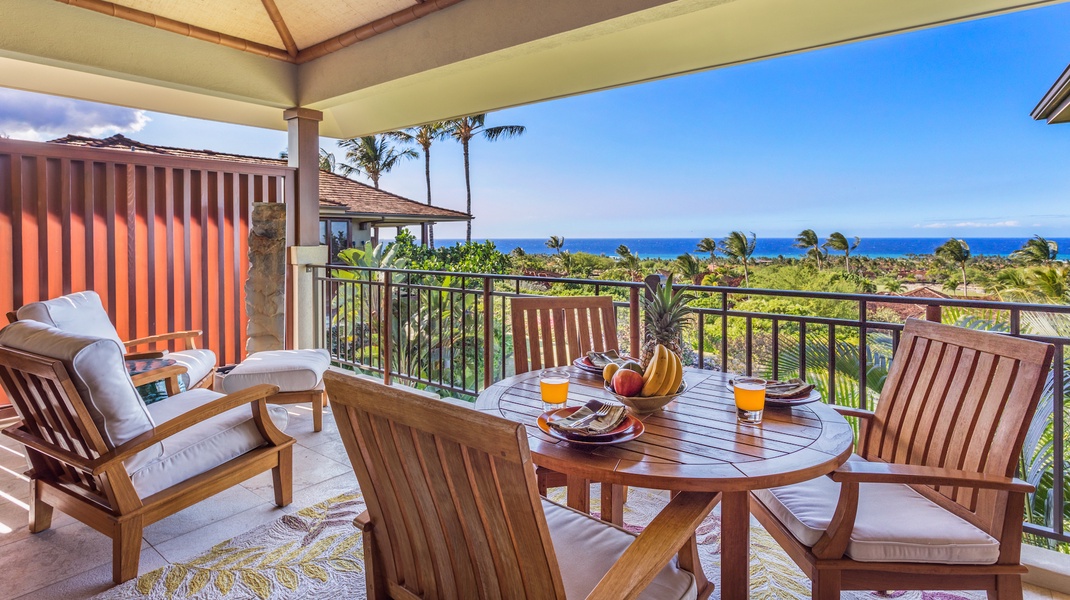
[[162, 239]]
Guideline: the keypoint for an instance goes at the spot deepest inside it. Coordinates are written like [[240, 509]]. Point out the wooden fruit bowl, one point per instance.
[[648, 404]]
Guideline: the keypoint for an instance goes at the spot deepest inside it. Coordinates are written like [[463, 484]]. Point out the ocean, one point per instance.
[[669, 248]]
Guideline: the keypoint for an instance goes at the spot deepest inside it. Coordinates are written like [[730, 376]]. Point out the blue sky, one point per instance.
[[923, 134]]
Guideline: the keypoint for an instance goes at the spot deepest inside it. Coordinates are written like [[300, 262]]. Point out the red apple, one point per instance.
[[627, 382]]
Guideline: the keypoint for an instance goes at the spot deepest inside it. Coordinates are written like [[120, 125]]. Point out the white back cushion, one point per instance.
[[81, 312], [96, 368]]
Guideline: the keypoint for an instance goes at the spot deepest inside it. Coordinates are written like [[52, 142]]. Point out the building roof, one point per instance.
[[1055, 105], [342, 195]]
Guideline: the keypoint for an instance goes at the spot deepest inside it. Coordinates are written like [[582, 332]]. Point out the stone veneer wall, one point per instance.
[[265, 288]]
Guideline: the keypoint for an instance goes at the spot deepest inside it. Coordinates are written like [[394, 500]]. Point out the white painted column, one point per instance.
[[303, 152]]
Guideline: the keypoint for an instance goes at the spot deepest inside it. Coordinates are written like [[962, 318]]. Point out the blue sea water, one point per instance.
[[669, 248]]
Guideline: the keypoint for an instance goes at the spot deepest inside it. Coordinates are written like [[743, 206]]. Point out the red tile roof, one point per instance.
[[353, 196]]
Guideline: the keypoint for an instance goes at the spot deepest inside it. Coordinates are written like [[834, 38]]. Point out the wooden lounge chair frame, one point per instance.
[[74, 471]]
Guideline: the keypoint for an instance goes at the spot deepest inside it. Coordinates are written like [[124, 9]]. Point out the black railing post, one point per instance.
[[386, 327], [633, 322], [724, 332], [863, 359], [488, 334]]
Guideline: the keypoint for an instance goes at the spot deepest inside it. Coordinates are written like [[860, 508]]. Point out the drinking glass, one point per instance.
[[553, 384], [750, 399]]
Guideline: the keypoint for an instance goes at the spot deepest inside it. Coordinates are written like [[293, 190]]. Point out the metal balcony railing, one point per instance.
[[451, 332]]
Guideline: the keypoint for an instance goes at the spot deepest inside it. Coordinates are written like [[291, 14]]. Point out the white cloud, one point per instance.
[[968, 224], [39, 117]]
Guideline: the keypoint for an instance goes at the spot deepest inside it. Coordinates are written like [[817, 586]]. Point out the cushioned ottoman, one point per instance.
[[298, 373]]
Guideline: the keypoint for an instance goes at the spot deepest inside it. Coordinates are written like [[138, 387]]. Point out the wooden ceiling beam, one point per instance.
[[280, 26], [292, 54], [391, 21], [193, 31]]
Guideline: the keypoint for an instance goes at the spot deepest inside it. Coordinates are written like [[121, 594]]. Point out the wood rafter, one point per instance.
[[292, 54], [280, 26]]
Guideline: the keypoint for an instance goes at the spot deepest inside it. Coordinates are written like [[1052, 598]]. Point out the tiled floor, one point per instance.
[[72, 561]]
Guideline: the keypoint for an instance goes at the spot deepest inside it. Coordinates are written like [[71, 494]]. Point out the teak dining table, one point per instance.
[[694, 444]]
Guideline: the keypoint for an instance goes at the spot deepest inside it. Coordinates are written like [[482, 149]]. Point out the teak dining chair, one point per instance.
[[98, 454], [555, 331], [930, 501], [453, 511]]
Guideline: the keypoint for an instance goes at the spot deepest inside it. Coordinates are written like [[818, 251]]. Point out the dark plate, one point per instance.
[[786, 402], [585, 364], [629, 429]]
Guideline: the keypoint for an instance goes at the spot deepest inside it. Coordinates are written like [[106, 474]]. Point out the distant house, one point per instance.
[[351, 212]]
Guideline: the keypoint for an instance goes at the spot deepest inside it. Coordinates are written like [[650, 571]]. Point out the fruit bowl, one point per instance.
[[646, 404]]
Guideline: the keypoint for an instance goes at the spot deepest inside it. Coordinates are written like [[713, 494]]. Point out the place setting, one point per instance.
[[753, 394], [594, 423]]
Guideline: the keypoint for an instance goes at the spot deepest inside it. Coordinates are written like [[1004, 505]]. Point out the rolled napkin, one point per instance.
[[787, 390], [583, 421], [601, 359]]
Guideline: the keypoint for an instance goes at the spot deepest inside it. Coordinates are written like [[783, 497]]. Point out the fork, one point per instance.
[[598, 414]]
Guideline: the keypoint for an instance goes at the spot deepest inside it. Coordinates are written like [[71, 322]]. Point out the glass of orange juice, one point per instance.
[[553, 384], [750, 399]]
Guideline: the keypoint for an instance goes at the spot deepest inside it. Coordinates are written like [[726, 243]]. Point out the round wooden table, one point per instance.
[[692, 445]]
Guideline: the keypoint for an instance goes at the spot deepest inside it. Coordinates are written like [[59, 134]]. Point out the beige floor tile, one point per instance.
[[40, 560], [1032, 592], [93, 581], [310, 468], [224, 504], [195, 542], [324, 490]]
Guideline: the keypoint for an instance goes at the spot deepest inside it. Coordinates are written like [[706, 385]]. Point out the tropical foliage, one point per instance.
[[372, 156], [464, 130], [737, 248]]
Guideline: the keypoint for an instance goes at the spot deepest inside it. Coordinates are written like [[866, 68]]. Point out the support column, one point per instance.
[[304, 152]]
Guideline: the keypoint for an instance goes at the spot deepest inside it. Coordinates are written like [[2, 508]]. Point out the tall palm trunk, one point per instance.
[[847, 260], [428, 228], [965, 291], [468, 189], [746, 273]]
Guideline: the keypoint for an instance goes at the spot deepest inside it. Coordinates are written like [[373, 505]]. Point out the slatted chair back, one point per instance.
[[554, 331], [450, 493], [52, 410], [959, 399]]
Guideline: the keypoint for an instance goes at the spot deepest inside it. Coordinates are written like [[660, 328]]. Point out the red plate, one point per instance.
[[628, 429], [585, 364]]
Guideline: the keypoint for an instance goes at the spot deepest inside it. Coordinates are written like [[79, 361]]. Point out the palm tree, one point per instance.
[[424, 136], [837, 241], [808, 240], [958, 252], [372, 156], [466, 128], [739, 249], [327, 161], [629, 261], [708, 245], [1037, 251], [690, 267], [555, 243]]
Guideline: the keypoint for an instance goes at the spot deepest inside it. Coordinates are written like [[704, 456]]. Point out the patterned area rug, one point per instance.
[[316, 553]]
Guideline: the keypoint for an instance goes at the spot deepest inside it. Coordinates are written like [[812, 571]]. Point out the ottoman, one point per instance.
[[298, 373]]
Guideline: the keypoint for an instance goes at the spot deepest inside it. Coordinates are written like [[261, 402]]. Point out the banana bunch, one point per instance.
[[664, 373]]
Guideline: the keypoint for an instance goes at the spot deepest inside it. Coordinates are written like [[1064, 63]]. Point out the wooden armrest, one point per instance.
[[363, 521], [655, 547], [160, 374], [144, 355], [847, 411], [257, 394], [31, 441], [881, 472], [166, 337]]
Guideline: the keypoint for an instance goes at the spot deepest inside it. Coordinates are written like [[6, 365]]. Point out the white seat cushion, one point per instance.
[[98, 371], [894, 523], [291, 370], [81, 312], [586, 548], [198, 362], [201, 447]]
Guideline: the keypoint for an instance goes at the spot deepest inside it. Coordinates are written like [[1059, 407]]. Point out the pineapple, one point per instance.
[[665, 314]]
